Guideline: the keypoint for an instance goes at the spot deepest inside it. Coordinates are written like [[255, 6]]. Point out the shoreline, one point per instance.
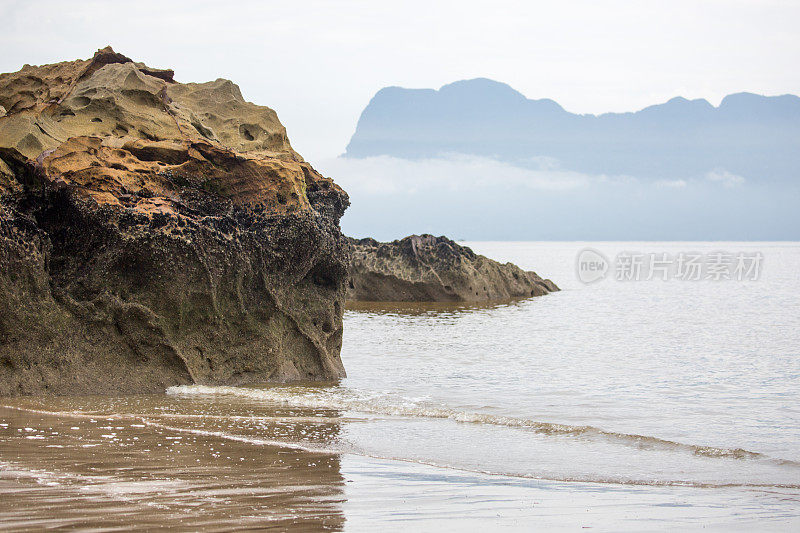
[[128, 473]]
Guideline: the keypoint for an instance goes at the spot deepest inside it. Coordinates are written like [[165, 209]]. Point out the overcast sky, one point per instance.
[[319, 63]]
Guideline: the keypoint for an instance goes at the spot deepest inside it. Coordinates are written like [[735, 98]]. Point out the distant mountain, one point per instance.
[[756, 137]]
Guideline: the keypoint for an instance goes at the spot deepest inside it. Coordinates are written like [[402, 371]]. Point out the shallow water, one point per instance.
[[617, 405]]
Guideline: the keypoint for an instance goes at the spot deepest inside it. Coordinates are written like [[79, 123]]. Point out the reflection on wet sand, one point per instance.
[[223, 463], [434, 308], [97, 467]]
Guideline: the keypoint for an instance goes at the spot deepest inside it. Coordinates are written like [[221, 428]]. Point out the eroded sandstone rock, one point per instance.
[[425, 268], [155, 233]]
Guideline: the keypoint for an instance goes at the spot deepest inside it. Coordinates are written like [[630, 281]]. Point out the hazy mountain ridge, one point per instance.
[[757, 137]]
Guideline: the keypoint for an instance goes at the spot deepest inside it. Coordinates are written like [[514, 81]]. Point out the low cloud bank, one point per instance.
[[727, 179], [465, 196], [384, 175]]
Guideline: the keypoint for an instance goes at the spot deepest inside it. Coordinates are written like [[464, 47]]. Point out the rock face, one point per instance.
[[155, 233], [425, 268]]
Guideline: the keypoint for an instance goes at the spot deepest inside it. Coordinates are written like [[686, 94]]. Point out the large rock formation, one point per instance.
[[154, 233], [425, 268]]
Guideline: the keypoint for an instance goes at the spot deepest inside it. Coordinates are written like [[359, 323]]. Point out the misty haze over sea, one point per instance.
[[476, 159]]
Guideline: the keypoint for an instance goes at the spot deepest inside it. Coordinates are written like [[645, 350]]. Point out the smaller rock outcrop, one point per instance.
[[425, 268]]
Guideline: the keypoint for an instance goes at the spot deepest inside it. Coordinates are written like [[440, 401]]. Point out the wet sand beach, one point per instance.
[[153, 461]]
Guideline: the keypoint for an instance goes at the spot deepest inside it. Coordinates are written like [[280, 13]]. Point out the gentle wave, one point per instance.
[[247, 440], [46, 477], [381, 404], [611, 480]]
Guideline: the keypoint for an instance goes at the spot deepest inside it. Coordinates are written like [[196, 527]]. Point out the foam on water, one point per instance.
[[160, 421], [383, 404]]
